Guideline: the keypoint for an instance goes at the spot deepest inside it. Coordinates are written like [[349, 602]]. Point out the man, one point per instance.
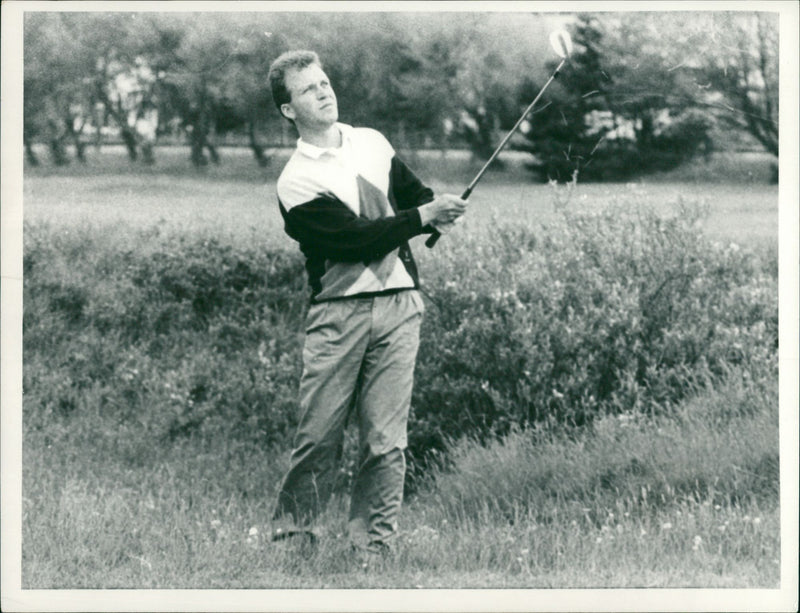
[[352, 205]]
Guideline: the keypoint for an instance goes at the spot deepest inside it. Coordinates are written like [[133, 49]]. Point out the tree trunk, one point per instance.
[[200, 130], [645, 135], [131, 142], [75, 135], [148, 157], [258, 150], [198, 144], [80, 151], [59, 152], [57, 149], [30, 154], [212, 151]]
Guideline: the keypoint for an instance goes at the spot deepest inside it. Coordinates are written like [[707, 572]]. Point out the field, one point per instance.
[[236, 200], [155, 430]]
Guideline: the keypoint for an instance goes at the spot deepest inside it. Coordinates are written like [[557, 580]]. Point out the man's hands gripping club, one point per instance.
[[442, 212]]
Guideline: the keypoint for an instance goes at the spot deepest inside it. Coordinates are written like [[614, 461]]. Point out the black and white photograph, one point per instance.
[[389, 306]]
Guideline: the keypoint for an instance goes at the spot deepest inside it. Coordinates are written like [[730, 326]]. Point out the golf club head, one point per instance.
[[561, 42]]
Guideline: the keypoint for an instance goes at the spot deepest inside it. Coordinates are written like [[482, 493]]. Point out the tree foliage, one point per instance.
[[642, 91], [646, 91]]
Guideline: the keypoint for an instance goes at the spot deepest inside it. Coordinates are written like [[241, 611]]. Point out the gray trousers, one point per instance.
[[359, 354]]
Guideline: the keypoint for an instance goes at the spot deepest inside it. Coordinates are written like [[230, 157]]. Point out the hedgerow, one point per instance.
[[621, 311]]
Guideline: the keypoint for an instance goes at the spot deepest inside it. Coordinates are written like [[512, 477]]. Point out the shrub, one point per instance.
[[596, 314], [621, 311], [193, 339]]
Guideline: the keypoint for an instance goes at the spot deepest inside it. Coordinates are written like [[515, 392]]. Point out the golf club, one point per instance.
[[562, 45]]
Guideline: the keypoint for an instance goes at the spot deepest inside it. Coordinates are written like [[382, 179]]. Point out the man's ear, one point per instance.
[[287, 111]]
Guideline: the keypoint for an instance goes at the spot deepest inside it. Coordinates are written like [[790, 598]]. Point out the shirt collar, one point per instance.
[[315, 152]]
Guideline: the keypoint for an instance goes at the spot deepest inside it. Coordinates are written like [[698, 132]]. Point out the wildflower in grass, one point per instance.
[[253, 531], [666, 526], [620, 529], [642, 532], [697, 543], [721, 528], [525, 552], [599, 540], [215, 523], [746, 518], [756, 521]]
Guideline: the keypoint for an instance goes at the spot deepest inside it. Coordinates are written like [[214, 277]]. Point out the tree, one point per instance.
[[739, 58], [56, 99], [246, 99], [624, 105], [82, 69], [489, 56]]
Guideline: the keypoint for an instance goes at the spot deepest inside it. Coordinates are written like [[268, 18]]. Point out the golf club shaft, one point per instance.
[[436, 234]]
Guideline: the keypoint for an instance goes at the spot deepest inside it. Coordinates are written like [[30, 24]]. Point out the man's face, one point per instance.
[[313, 103]]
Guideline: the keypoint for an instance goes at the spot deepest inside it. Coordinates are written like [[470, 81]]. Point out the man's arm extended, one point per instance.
[[328, 227]]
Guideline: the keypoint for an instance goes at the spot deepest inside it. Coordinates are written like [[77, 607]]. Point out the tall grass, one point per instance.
[[720, 447], [560, 512], [160, 375]]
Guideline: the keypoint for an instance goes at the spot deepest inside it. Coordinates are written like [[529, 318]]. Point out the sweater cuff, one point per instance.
[[416, 221]]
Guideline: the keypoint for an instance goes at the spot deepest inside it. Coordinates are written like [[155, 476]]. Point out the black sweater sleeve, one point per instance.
[[405, 188], [328, 228]]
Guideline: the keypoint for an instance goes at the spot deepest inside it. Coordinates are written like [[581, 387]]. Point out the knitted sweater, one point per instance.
[[353, 210]]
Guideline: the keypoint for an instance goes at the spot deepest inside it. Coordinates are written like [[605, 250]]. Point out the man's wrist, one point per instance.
[[426, 214]]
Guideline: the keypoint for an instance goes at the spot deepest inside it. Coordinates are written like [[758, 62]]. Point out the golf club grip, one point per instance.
[[433, 238]]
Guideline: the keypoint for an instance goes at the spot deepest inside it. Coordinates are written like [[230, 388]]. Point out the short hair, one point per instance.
[[290, 60]]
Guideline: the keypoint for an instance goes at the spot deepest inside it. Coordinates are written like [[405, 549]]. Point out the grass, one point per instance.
[[684, 502], [195, 517], [236, 201]]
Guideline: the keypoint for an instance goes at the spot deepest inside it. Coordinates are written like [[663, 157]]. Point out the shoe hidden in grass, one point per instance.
[[371, 553]]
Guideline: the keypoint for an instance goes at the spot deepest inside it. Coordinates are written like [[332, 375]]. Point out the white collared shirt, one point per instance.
[[313, 170]]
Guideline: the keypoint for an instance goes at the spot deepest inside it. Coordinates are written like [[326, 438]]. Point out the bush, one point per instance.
[[618, 312], [194, 339], [597, 314]]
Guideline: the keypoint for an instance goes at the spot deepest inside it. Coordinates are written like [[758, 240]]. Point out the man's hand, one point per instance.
[[443, 211]]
